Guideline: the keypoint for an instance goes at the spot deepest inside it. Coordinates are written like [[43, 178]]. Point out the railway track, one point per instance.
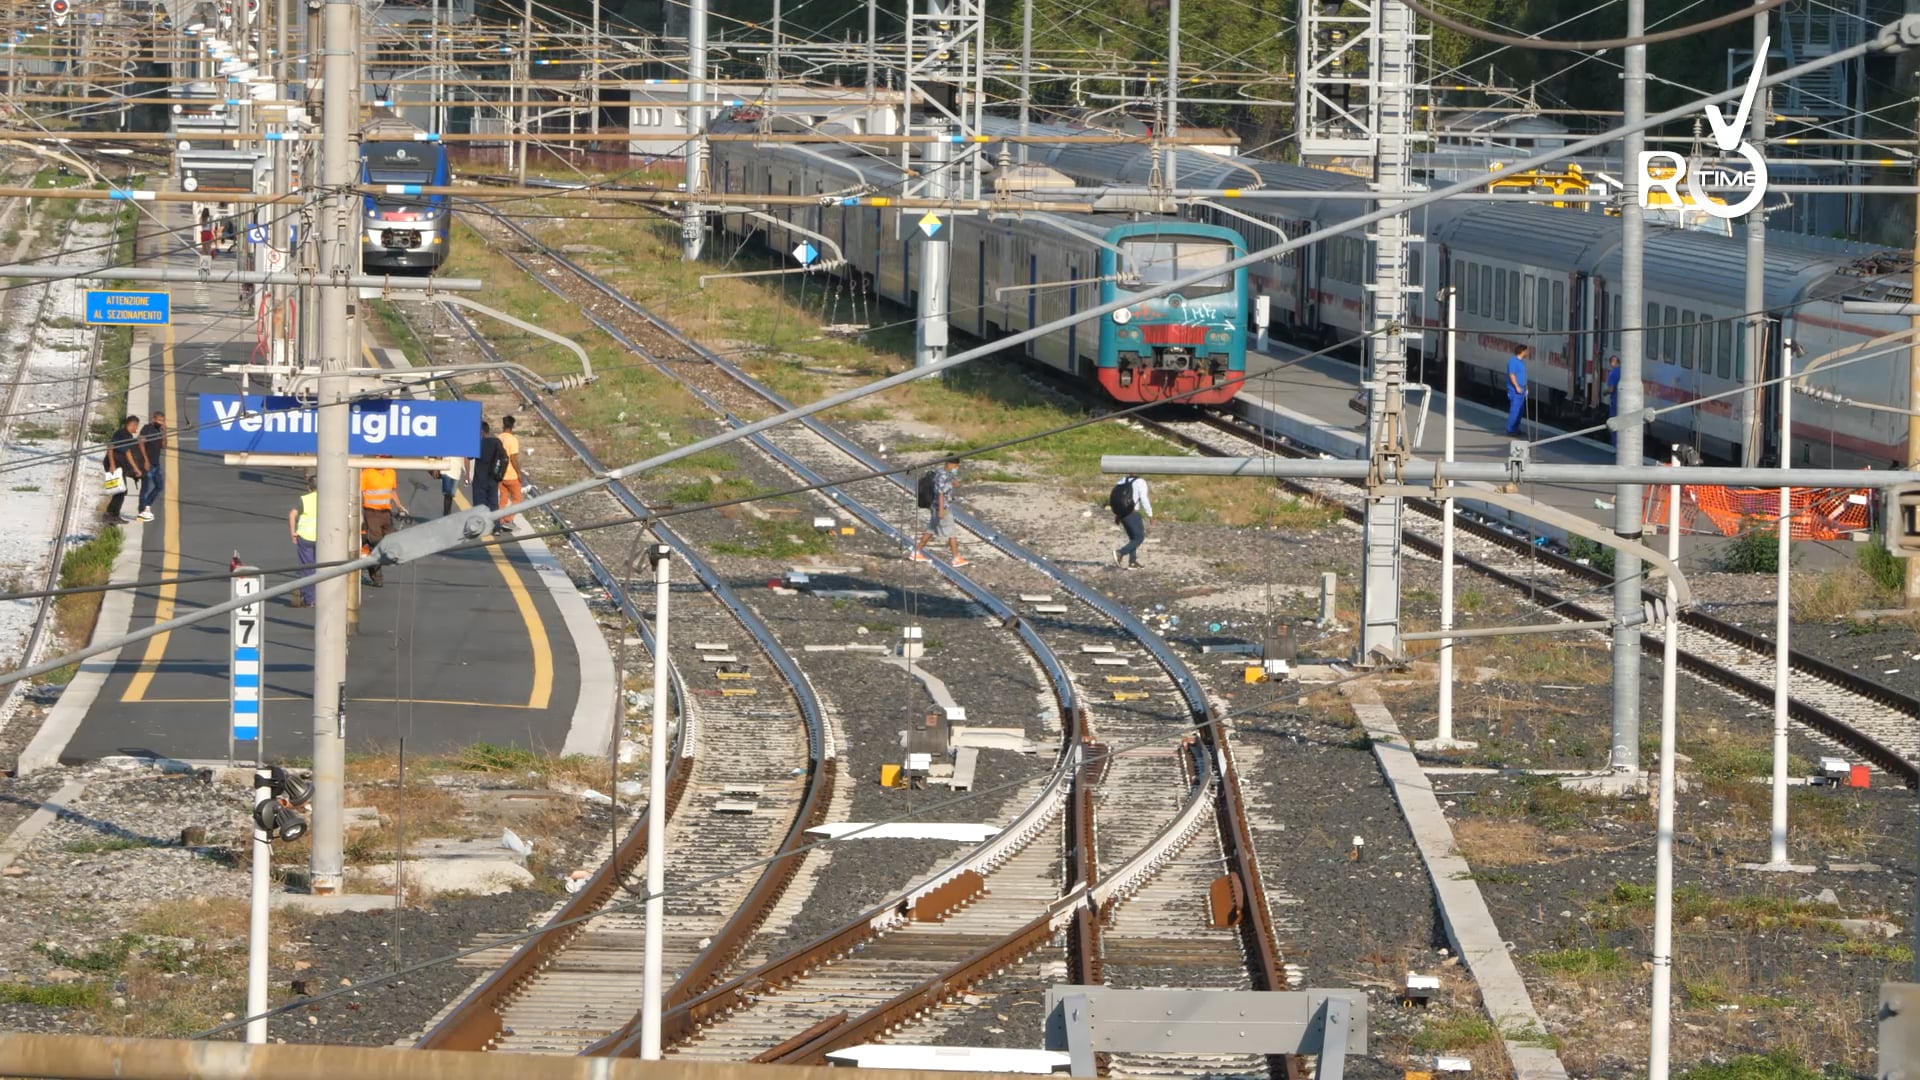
[[736, 688], [24, 456], [1844, 709], [1166, 794]]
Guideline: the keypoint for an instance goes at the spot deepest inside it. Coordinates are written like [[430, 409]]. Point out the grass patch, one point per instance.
[[103, 959], [1888, 574], [88, 564], [105, 845], [399, 332], [1834, 595], [1725, 758], [1493, 842], [54, 996], [26, 487], [36, 433], [1541, 800], [1466, 1031], [489, 758], [1779, 1065], [709, 489], [1631, 905], [1890, 952], [776, 540], [1584, 963]]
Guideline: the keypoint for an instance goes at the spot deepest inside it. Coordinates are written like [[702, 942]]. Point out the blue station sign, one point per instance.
[[404, 427], [113, 308]]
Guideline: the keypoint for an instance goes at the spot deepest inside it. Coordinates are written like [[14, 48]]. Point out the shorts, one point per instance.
[[940, 525]]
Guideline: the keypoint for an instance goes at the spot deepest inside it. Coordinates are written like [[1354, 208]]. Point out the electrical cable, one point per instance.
[[1421, 9]]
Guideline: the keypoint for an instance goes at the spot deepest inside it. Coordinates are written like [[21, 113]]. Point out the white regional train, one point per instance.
[[1547, 277]]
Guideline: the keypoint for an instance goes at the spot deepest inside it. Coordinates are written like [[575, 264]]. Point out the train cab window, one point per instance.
[[1160, 259], [1525, 314], [1669, 335], [1500, 295], [1513, 297], [1559, 305], [1686, 339], [1724, 354]]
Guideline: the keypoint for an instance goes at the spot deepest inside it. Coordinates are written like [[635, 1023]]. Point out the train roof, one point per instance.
[[1527, 233]]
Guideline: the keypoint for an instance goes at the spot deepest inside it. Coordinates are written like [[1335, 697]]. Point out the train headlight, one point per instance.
[[1123, 316], [1219, 337]]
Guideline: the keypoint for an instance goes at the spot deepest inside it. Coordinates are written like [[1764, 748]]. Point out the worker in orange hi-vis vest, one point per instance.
[[378, 490]]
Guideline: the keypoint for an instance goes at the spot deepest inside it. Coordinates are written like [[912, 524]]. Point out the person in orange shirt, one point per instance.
[[378, 490], [510, 491]]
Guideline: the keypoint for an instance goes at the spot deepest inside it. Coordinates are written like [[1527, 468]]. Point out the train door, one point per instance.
[[980, 289], [1308, 278], [1073, 329], [1766, 418], [1589, 315]]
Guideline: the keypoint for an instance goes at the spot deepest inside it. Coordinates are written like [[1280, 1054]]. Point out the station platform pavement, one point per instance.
[[1306, 400], [477, 646]]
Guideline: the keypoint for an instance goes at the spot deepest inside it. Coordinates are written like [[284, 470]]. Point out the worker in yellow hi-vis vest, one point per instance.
[[378, 489], [303, 525]]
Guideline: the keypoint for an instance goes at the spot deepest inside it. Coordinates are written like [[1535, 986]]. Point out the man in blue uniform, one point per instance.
[[1613, 393], [1516, 388]]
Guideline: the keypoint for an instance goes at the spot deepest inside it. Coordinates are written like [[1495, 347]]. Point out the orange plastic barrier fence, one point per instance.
[[1818, 513]]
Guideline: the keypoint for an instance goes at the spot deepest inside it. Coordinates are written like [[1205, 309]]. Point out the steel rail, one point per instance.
[[477, 1021], [949, 888], [1813, 716], [1259, 941]]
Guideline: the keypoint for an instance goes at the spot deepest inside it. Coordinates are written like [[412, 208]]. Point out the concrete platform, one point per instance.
[[1307, 401], [454, 650]]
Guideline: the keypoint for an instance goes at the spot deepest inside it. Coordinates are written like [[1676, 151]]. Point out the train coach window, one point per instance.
[[1616, 324], [1559, 306], [1486, 291], [1513, 296], [1650, 334], [1500, 295], [1525, 314], [1724, 351], [1670, 334], [1686, 339], [1459, 282]]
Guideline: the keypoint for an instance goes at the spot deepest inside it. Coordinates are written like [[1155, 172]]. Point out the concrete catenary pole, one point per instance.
[[259, 896], [1026, 76], [650, 977], [1913, 402], [1625, 756], [693, 226], [339, 256], [280, 231], [1171, 171], [930, 330], [1660, 1026], [524, 91]]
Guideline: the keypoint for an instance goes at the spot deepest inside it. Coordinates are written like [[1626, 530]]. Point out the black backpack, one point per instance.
[[923, 492], [1121, 498]]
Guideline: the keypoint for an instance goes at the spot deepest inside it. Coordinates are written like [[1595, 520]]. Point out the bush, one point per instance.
[[1888, 573], [1597, 555], [1754, 551]]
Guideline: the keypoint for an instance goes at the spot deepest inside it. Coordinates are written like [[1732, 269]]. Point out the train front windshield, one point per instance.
[[1157, 261], [402, 163]]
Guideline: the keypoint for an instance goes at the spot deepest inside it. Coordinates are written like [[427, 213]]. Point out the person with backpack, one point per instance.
[[488, 468], [934, 494], [1129, 501]]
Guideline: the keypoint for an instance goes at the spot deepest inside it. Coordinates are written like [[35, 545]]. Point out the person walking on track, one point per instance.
[[303, 525], [936, 495], [1130, 506], [1516, 388], [510, 489], [488, 468], [153, 443], [377, 490], [123, 453]]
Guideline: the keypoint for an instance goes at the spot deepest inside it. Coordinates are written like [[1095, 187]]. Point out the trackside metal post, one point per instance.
[[661, 556]]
